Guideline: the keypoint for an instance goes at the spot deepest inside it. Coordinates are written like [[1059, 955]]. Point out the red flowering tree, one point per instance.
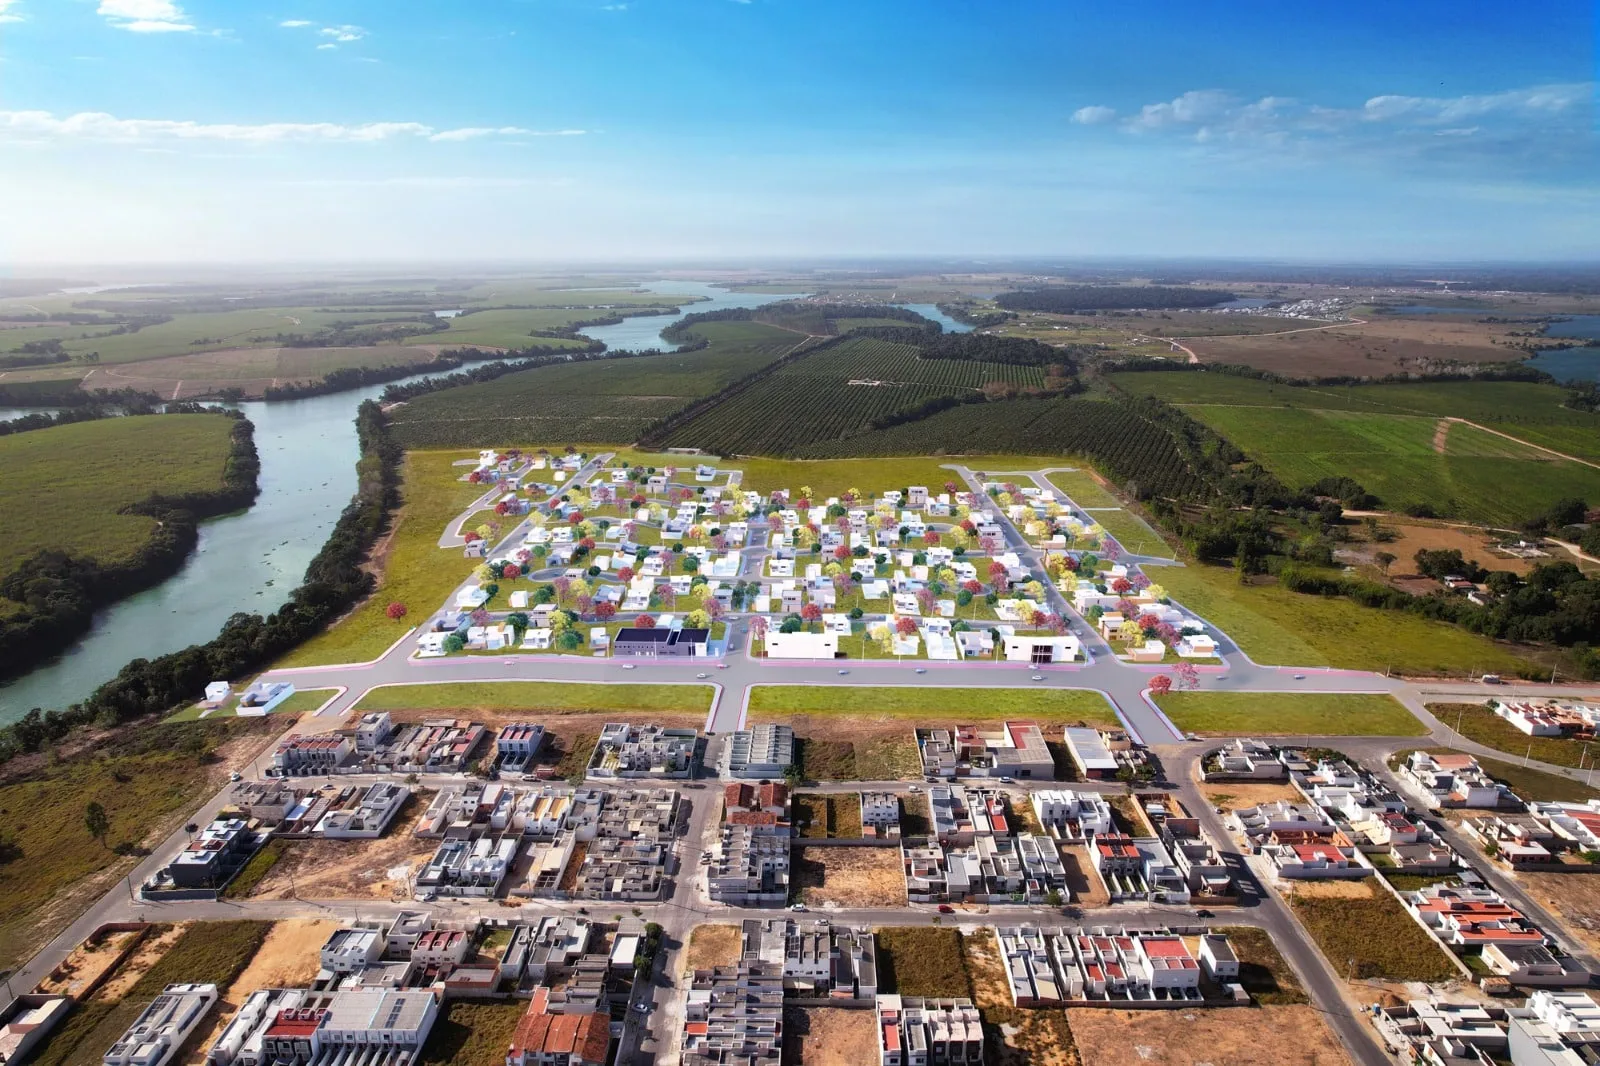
[[470, 535], [906, 627], [841, 553], [1122, 586], [396, 610], [811, 613], [645, 621], [931, 539], [626, 574], [605, 610], [1149, 623], [1161, 684], [974, 587], [950, 486], [968, 527], [1188, 676]]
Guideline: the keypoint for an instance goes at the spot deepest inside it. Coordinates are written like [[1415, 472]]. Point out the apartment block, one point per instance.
[[734, 1015], [625, 751], [928, 1032], [749, 868], [162, 1027], [1012, 749], [764, 750]]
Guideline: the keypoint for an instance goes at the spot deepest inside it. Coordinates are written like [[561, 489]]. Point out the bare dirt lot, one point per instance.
[[1232, 795], [1231, 1036], [1576, 897], [149, 952], [711, 945], [346, 869], [1473, 544], [84, 965], [1362, 889], [827, 1036], [1087, 888], [1380, 346], [850, 877]]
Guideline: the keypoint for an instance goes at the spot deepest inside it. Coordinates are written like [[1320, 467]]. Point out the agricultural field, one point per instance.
[[253, 370], [1458, 470], [1289, 713], [46, 502], [147, 779], [838, 391], [1122, 445], [1381, 345], [1277, 627], [506, 327], [598, 400]]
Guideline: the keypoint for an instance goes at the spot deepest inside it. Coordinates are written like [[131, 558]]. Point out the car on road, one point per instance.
[[702, 675], [797, 906], [1299, 677], [642, 1008], [236, 776], [843, 672], [1007, 780], [1203, 913], [1038, 677], [722, 666], [922, 669], [945, 908], [1491, 679], [914, 788], [628, 666]]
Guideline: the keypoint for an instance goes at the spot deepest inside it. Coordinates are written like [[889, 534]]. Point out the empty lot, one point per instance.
[[1270, 1036], [850, 877]]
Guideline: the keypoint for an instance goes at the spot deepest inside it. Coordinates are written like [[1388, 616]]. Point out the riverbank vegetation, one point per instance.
[[335, 581], [91, 512]]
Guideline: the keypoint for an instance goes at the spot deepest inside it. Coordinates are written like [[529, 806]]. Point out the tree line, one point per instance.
[[333, 583], [1077, 299]]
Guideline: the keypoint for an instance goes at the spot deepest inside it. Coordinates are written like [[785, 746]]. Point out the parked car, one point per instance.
[[1491, 679], [797, 906], [702, 675], [945, 908], [1203, 913]]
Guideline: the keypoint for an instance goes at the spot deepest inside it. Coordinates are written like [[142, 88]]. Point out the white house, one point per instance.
[[1041, 650], [802, 645]]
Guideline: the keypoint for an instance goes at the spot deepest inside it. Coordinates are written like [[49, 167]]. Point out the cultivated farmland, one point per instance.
[[838, 391]]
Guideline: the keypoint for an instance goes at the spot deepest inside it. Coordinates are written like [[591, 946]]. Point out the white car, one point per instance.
[[628, 666], [797, 906]]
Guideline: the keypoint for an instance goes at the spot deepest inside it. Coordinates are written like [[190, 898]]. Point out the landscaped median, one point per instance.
[[1279, 714]]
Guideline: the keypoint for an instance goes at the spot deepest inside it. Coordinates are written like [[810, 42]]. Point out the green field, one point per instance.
[[417, 572], [1277, 627], [837, 392], [514, 327], [1477, 722], [146, 780], [598, 400], [533, 696], [62, 487], [934, 702], [1289, 714]]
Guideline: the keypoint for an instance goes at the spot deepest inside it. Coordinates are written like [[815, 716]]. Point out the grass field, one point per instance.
[[576, 698], [1278, 627], [1288, 714], [1372, 937], [206, 953], [1476, 721], [250, 369], [891, 758], [920, 961], [304, 701], [505, 327], [832, 477], [62, 487], [145, 780], [415, 570], [472, 1034], [933, 702]]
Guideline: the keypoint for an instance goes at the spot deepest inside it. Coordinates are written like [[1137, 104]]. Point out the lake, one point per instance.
[[1572, 364], [252, 560], [1583, 326]]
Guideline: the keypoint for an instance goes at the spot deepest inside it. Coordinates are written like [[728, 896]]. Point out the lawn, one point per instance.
[[1372, 937], [921, 961], [1332, 714], [932, 701], [1526, 782], [62, 487], [1279, 627], [146, 780], [206, 953], [415, 571], [479, 697], [472, 1034], [1476, 721]]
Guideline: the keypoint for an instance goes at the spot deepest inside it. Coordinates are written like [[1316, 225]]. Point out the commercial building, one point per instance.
[[1089, 753], [779, 645], [660, 642]]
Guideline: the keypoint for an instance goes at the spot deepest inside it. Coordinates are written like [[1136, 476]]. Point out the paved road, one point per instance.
[[733, 677]]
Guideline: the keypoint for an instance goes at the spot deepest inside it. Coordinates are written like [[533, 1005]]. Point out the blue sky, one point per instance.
[[295, 130]]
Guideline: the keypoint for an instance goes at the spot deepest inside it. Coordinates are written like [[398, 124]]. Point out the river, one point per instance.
[[252, 560]]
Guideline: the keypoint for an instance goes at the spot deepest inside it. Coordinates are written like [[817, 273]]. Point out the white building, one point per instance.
[[163, 1026], [801, 645]]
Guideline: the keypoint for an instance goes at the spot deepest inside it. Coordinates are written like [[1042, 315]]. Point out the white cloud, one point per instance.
[[343, 34], [146, 16], [99, 126], [1092, 116], [325, 47], [294, 24], [7, 16]]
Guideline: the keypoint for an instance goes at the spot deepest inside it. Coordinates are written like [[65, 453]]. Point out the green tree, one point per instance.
[[97, 821]]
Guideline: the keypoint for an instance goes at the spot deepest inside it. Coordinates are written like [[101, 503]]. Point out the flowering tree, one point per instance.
[[841, 553], [645, 621], [664, 591], [758, 627], [479, 617], [625, 574], [1129, 632], [510, 571], [605, 610], [562, 584], [1188, 676], [931, 538], [471, 535], [1148, 622], [1140, 581], [584, 604], [396, 610], [906, 627], [972, 588], [950, 486], [926, 600], [1161, 684], [1168, 634], [1121, 586], [714, 608], [811, 613]]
